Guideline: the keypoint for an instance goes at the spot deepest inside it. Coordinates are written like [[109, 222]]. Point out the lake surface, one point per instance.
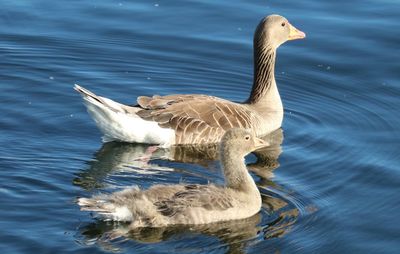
[[329, 185]]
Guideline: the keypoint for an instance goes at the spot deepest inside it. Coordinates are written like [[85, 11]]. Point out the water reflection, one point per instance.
[[139, 158], [232, 235], [120, 157], [274, 220]]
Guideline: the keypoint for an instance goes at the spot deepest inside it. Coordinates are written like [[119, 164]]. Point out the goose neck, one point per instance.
[[264, 76], [235, 171]]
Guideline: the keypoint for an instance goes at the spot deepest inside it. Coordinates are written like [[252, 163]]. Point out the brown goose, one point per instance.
[[194, 118], [163, 205]]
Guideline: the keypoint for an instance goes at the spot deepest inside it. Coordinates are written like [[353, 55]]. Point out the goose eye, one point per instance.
[[247, 137], [283, 24]]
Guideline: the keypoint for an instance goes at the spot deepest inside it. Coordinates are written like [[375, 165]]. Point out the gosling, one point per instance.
[[185, 204]]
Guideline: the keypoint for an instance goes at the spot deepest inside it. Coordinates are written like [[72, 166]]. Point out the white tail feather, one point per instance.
[[105, 210], [119, 122]]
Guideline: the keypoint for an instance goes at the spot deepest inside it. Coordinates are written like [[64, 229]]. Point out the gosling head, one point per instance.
[[274, 30], [241, 142]]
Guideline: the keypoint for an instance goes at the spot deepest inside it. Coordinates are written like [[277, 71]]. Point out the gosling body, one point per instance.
[[163, 205]]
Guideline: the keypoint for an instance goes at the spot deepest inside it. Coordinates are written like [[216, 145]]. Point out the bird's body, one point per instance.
[[163, 205], [196, 118]]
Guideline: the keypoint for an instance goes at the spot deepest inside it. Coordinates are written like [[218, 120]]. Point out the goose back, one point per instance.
[[197, 119]]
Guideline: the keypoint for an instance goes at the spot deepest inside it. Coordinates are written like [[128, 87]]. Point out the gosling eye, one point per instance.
[[283, 24], [247, 137]]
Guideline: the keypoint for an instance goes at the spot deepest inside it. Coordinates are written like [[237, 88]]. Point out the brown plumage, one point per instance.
[[209, 197], [162, 205], [198, 119]]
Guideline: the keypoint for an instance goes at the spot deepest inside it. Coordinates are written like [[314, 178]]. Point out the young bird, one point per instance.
[[163, 205]]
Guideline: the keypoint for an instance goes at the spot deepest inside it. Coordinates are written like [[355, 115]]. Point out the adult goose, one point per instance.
[[163, 205], [197, 118]]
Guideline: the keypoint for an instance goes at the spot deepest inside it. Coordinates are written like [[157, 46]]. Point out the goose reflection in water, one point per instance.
[[275, 219]]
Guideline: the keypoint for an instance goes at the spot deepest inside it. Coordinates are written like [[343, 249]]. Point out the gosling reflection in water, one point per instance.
[[231, 235]]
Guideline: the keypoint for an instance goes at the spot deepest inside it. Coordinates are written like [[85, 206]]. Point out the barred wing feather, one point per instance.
[[195, 118]]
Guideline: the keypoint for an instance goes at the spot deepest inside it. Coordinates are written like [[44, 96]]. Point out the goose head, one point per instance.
[[274, 30], [240, 142]]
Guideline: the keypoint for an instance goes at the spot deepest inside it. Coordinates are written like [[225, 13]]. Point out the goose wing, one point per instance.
[[195, 118], [208, 197]]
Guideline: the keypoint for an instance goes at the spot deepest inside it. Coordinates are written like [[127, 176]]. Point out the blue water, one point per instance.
[[332, 186]]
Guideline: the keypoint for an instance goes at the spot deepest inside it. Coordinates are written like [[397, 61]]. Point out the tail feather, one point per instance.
[[107, 114], [86, 93], [94, 204], [105, 209], [121, 123], [99, 101]]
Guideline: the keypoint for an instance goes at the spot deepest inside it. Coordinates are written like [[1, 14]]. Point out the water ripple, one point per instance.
[[112, 169], [337, 169]]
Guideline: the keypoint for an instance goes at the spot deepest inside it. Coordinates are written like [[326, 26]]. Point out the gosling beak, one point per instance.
[[295, 34], [260, 143]]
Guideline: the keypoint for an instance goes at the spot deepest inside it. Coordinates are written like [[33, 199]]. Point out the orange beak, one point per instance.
[[295, 34]]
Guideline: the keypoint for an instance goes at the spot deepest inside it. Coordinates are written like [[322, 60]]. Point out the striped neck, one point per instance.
[[264, 77]]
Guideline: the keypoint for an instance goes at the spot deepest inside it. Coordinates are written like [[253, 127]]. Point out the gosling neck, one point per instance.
[[235, 171], [264, 73]]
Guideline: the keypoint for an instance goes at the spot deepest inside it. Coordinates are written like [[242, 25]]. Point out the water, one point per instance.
[[331, 187]]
